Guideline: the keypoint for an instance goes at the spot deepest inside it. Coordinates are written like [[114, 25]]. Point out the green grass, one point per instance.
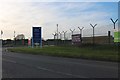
[[106, 53]]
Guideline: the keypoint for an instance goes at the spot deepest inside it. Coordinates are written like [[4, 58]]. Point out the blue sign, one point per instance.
[[36, 36]]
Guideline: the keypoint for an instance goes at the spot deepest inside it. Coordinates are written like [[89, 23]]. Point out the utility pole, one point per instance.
[[93, 33], [114, 22]]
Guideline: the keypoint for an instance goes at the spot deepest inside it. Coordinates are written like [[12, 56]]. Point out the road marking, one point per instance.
[[78, 63], [69, 74], [50, 70], [9, 61], [92, 65]]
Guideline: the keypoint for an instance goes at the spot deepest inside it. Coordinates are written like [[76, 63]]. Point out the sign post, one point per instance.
[[36, 36]]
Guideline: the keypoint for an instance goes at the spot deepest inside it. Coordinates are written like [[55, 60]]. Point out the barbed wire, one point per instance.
[[87, 32]]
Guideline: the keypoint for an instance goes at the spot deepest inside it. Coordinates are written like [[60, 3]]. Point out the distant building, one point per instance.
[[19, 37]]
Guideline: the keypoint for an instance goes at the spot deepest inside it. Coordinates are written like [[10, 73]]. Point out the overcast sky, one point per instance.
[[20, 16]]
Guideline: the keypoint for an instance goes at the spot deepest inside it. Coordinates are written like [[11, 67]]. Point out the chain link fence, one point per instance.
[[101, 34]]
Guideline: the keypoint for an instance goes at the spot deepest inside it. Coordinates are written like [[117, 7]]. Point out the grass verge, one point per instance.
[[98, 53]]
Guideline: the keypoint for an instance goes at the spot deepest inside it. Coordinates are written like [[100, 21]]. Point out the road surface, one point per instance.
[[17, 65]]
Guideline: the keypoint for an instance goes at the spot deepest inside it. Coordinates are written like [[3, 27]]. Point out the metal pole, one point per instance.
[[14, 34], [57, 31], [114, 26], [72, 32], [81, 32], [93, 33], [64, 34], [109, 37], [93, 36], [54, 37], [57, 34], [60, 35], [14, 38], [114, 22]]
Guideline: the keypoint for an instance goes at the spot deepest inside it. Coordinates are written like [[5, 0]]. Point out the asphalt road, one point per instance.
[[16, 65]]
